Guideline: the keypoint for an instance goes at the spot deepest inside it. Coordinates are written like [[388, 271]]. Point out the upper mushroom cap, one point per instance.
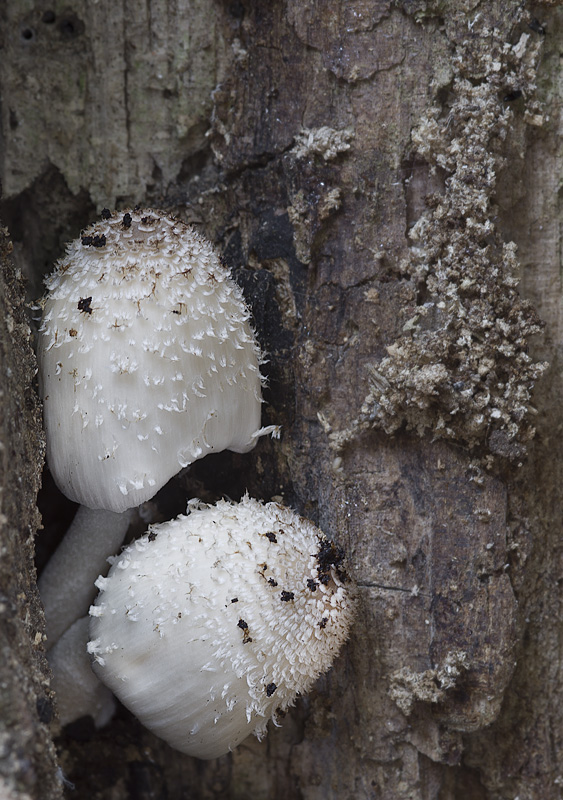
[[147, 360], [211, 623]]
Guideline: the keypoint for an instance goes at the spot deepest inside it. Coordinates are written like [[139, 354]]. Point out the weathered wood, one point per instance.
[[27, 756], [308, 138]]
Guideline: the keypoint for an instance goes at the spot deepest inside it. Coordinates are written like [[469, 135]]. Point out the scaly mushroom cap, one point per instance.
[[147, 360], [210, 623]]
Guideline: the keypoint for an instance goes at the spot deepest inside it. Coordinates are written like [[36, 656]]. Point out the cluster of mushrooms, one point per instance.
[[212, 623]]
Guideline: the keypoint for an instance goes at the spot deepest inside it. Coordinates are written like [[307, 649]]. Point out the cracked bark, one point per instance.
[[27, 756], [285, 133]]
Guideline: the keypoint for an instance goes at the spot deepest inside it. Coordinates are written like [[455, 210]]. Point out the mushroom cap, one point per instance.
[[211, 623], [147, 360]]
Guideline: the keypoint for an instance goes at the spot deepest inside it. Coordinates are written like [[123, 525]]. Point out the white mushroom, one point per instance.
[[147, 362], [211, 623]]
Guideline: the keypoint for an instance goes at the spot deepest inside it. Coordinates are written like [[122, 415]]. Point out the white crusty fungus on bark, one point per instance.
[[460, 368], [212, 623]]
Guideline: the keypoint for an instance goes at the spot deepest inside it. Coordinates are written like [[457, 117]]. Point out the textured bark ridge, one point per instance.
[[27, 758], [364, 168]]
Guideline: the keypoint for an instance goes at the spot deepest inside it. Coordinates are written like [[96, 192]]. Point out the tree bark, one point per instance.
[[363, 168], [27, 756]]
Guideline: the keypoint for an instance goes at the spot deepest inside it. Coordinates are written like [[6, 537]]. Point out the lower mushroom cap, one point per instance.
[[210, 623]]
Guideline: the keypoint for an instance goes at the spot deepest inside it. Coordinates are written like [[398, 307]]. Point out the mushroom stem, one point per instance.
[[79, 692], [66, 584]]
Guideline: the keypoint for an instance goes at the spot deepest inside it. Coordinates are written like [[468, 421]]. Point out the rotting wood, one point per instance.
[[457, 568]]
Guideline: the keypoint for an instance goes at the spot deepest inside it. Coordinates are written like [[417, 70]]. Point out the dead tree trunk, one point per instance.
[[364, 168], [27, 756]]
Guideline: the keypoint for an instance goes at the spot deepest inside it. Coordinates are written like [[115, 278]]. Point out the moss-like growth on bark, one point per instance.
[[461, 371]]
